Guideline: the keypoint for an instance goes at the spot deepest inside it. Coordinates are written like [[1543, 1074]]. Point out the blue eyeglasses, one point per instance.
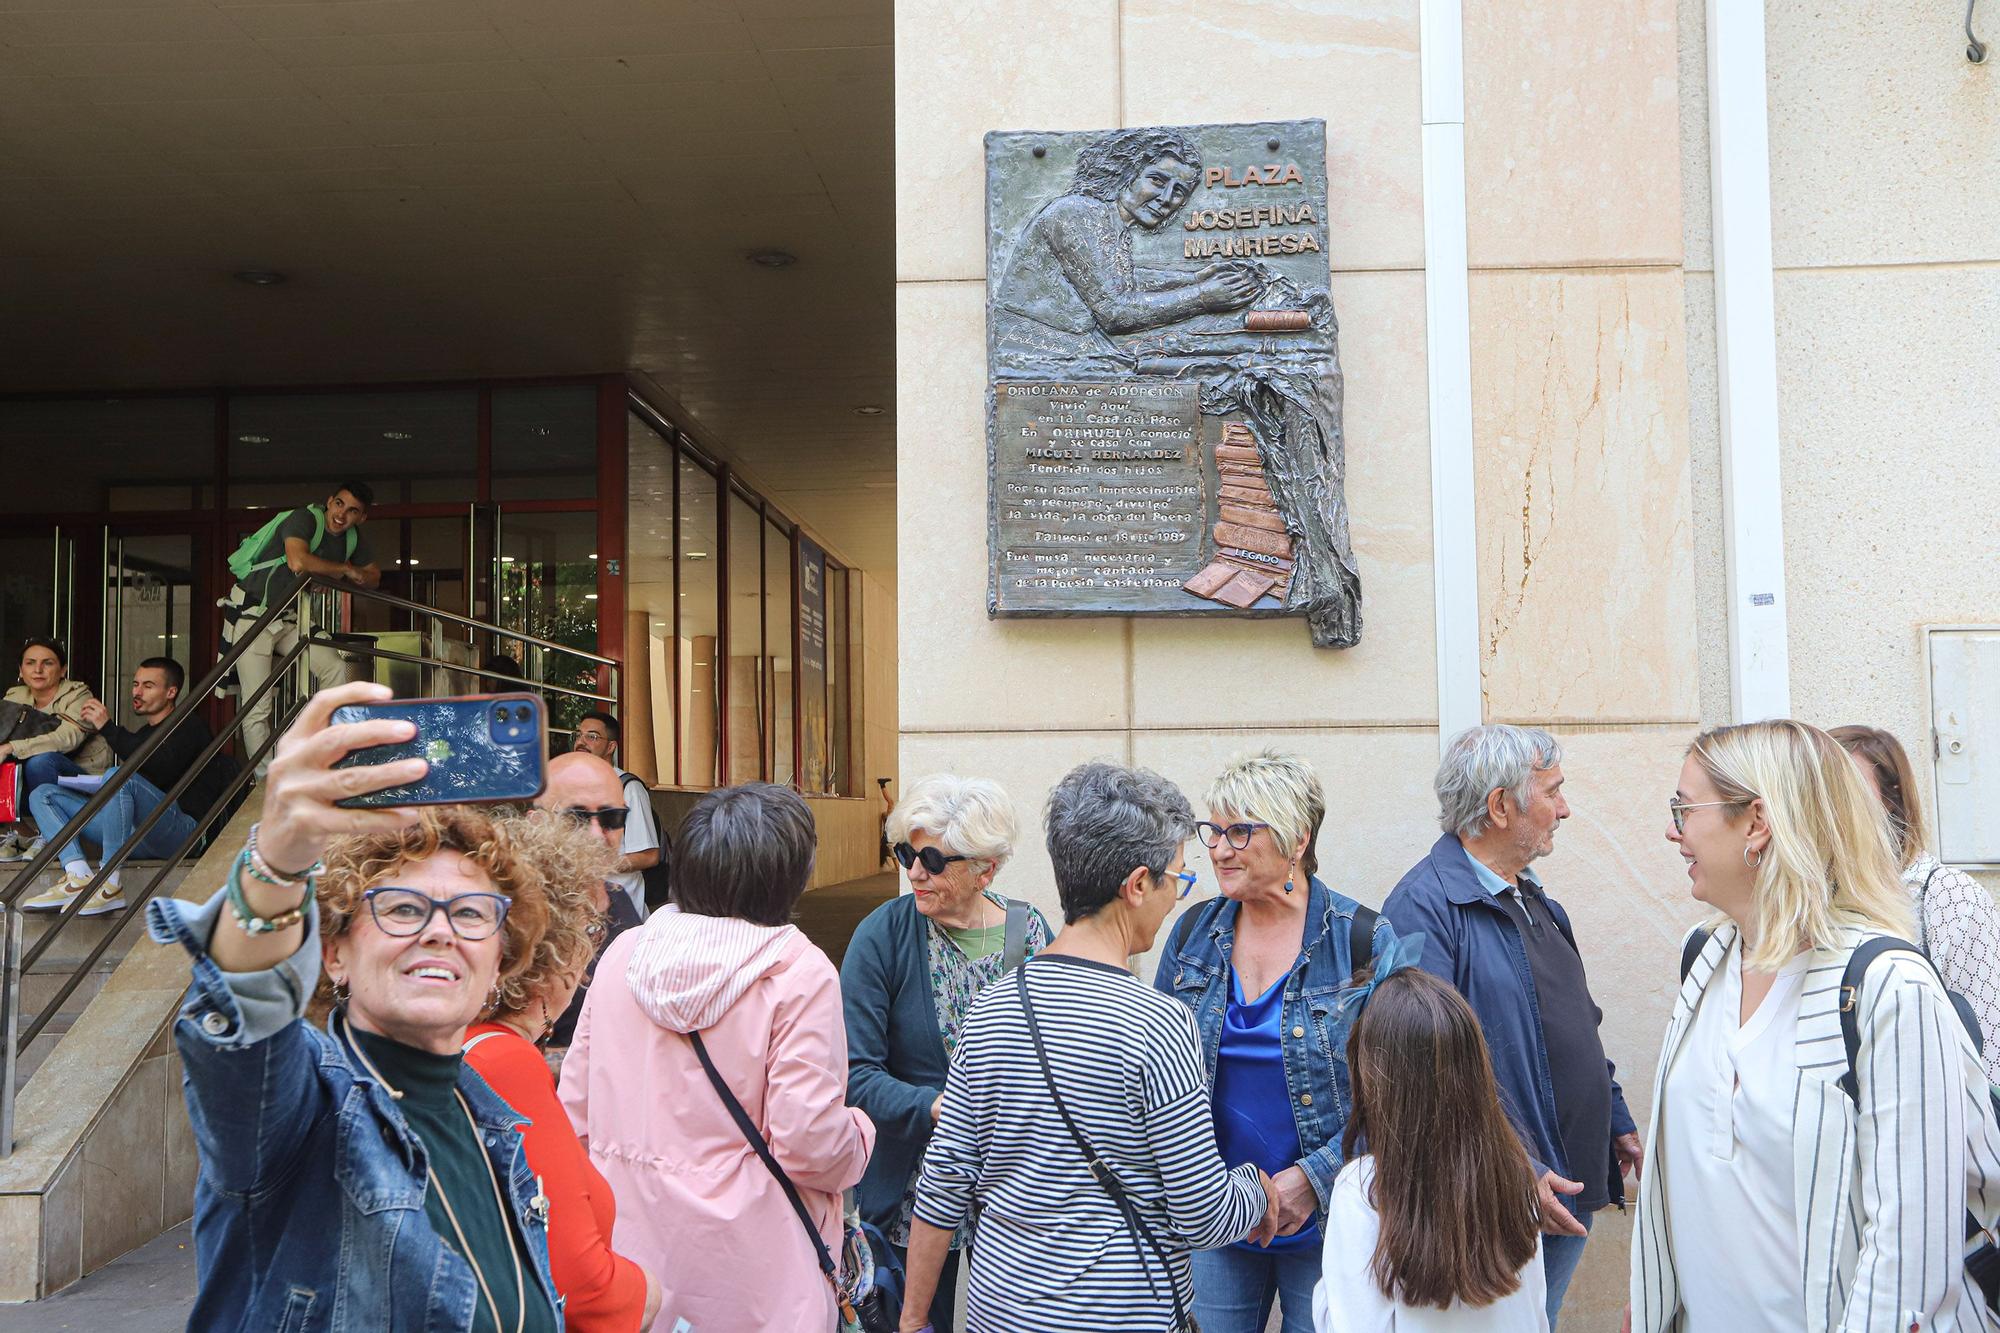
[[1187, 879]]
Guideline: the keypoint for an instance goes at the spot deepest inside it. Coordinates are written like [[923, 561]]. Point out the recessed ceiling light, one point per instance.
[[696, 555], [772, 258], [506, 559], [396, 435], [259, 277], [253, 439], [590, 597], [593, 555], [869, 410]]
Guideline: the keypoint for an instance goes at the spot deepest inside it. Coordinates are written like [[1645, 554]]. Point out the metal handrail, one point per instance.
[[14, 962]]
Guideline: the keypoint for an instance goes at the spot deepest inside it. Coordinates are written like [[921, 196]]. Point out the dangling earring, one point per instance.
[[1288, 877], [493, 999], [1748, 861], [340, 992]]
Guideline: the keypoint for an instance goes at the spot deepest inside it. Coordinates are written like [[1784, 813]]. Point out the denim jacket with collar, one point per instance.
[[309, 1209], [1471, 942], [1198, 971]]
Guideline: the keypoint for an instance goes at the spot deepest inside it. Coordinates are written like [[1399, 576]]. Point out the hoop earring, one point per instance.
[[493, 999], [1752, 864], [341, 992]]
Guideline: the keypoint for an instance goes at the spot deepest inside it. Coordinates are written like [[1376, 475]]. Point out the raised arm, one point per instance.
[[1112, 293]]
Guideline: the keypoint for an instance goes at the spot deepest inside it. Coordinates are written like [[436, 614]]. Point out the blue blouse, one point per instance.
[[1252, 1103]]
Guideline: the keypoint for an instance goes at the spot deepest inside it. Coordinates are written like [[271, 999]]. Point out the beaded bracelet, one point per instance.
[[260, 869], [239, 906]]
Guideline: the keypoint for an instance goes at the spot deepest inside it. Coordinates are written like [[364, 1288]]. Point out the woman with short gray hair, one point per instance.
[[1075, 1120], [717, 1013], [910, 973], [1260, 968]]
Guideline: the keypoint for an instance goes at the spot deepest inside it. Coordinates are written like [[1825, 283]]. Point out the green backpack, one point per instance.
[[243, 561]]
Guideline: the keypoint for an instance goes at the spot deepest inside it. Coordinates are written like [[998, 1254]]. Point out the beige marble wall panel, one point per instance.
[[182, 1160], [1882, 135], [122, 1168], [1711, 584], [1579, 400], [958, 668], [1355, 65], [20, 1243], [1228, 673], [1887, 385], [1027, 765], [1697, 196], [1572, 134], [962, 70], [62, 1229]]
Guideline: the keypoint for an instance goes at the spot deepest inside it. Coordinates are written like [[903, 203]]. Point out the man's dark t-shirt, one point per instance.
[[277, 583], [1576, 1054], [622, 917]]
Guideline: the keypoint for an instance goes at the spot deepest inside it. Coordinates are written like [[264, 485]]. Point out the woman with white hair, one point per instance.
[[909, 975], [1822, 1131], [1260, 967]]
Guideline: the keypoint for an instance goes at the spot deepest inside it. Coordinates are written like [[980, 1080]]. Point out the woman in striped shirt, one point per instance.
[[1073, 1048], [1773, 1199]]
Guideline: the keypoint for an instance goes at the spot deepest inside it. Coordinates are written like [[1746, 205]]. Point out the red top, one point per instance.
[[606, 1291]]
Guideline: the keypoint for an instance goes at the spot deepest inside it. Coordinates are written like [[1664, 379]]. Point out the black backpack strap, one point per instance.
[[1851, 979], [755, 1139], [1691, 951], [1184, 927], [1100, 1171], [1361, 938]]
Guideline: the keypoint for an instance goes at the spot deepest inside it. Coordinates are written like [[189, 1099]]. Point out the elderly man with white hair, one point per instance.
[[909, 975], [1492, 931]]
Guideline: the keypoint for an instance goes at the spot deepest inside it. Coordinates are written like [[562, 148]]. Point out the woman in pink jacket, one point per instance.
[[725, 969]]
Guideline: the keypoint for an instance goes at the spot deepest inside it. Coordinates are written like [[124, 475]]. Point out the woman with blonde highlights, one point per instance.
[[1957, 924], [360, 1173], [1770, 1199]]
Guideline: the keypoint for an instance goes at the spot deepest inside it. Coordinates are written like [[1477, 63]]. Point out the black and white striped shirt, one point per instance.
[[1050, 1252]]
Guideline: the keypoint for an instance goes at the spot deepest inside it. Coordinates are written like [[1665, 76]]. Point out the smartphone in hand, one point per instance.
[[481, 748]]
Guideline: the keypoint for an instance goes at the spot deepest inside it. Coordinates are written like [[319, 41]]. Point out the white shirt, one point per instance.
[[642, 834], [1726, 1131], [1347, 1299]]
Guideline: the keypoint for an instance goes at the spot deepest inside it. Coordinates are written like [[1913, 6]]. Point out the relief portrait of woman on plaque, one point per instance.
[[1071, 281]]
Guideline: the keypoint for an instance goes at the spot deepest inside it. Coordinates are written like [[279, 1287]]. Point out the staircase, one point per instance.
[[104, 1160]]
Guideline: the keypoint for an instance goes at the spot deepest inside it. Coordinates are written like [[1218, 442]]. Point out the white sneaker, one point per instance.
[[13, 849], [56, 897], [106, 899]]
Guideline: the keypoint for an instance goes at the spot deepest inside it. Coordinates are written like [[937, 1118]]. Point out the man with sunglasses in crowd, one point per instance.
[[641, 848], [587, 789]]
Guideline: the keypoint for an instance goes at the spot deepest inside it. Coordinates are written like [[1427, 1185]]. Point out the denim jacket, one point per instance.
[[309, 1209], [1197, 973], [1471, 942]]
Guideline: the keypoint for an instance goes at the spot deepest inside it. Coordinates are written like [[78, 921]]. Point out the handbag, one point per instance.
[[862, 1307], [10, 791], [1142, 1235]]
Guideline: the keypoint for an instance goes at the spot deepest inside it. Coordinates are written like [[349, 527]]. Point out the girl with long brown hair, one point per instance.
[[1431, 1224]]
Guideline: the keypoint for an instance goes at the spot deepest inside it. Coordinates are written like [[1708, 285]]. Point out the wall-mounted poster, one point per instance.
[[1163, 418], [812, 665]]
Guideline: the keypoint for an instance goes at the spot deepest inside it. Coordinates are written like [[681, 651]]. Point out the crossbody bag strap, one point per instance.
[[763, 1150], [1014, 951], [1100, 1171]]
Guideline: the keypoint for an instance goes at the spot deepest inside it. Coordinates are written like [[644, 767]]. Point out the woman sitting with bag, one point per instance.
[[709, 1075], [1076, 1121]]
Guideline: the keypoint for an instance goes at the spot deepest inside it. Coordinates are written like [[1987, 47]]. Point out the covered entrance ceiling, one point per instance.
[[470, 187]]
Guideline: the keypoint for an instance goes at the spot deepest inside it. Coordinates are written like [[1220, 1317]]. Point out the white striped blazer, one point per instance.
[[1882, 1189]]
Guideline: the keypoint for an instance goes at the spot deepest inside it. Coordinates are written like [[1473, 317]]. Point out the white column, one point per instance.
[[1448, 335], [1746, 338]]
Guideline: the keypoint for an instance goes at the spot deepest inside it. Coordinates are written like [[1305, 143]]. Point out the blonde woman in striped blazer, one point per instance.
[[1769, 1200]]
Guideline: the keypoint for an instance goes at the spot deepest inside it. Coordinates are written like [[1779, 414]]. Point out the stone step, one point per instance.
[[45, 1041]]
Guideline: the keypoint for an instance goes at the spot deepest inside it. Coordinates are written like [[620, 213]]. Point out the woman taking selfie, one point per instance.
[[361, 1176], [1785, 1188], [1433, 1227], [602, 1292]]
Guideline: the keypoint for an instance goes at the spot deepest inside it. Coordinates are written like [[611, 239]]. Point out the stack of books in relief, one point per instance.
[[1253, 554]]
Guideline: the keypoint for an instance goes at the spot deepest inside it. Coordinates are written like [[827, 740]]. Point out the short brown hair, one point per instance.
[[745, 852], [1427, 1107], [1895, 779], [542, 865]]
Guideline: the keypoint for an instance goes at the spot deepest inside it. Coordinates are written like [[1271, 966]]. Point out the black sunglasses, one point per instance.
[[934, 860], [611, 817]]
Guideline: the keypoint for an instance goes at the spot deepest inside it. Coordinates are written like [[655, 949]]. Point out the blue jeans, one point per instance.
[[1560, 1256], [42, 770], [1235, 1288], [110, 827]]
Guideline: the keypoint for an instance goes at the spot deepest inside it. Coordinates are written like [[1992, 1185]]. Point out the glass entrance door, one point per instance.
[[37, 591], [544, 581], [149, 605]]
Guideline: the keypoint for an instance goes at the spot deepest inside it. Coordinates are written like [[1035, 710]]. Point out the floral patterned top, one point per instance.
[[955, 981]]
